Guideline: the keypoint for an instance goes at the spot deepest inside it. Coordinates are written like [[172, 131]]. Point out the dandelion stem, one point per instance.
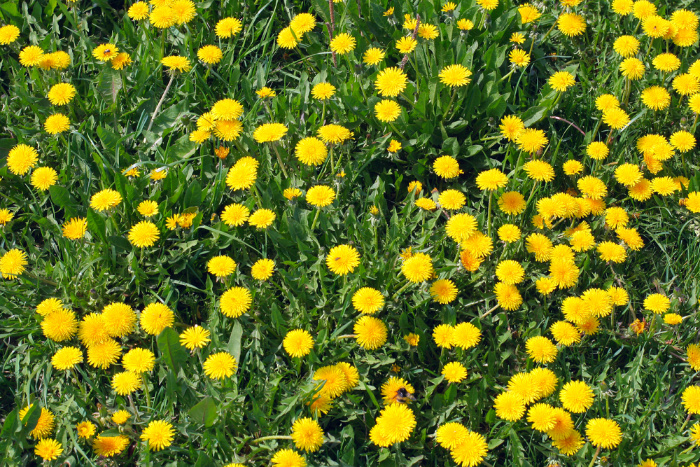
[[512, 70], [488, 222], [401, 289], [546, 35], [415, 33], [685, 423], [313, 224], [391, 124], [133, 407], [695, 122], [597, 127], [489, 312], [267, 438], [80, 383], [331, 29], [279, 160], [595, 457], [160, 102], [452, 99], [346, 336], [145, 389]]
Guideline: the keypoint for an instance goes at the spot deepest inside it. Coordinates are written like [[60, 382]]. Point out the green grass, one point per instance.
[[637, 380]]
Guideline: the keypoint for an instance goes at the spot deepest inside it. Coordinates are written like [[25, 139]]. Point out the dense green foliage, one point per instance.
[[637, 378]]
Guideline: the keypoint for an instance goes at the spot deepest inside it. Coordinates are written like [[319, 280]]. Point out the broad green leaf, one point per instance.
[[170, 349], [234, 342], [109, 83], [204, 412], [96, 224]]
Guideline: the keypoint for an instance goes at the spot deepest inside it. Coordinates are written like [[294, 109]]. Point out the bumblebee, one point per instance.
[[403, 396]]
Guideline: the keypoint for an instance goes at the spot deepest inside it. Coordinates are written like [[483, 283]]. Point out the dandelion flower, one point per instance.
[[395, 424], [159, 434], [66, 358], [387, 110], [85, 429], [603, 433], [371, 332], [509, 406], [452, 200], [531, 140], [406, 44], [138, 360], [125, 382], [298, 343], [210, 54], [455, 75], [342, 259], [176, 63], [539, 170], [144, 234], [44, 425], [334, 134], [155, 317], [561, 81], [443, 291], [21, 159], [571, 24], [269, 132], [368, 300], [656, 98], [391, 82], [373, 56], [576, 396], [490, 180], [13, 264], [342, 43], [219, 365], [288, 458], [320, 196], [262, 269], [195, 337], [323, 91], [307, 434], [541, 350], [48, 449], [657, 303], [465, 336], [454, 372], [418, 268], [262, 218], [109, 446], [105, 200], [507, 296], [450, 435], [235, 301], [472, 450]]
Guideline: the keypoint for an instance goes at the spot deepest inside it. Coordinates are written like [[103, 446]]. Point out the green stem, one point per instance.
[[449, 106], [597, 127], [489, 312], [279, 160], [545, 36], [267, 438], [695, 122], [133, 407], [684, 424], [391, 124], [160, 102], [628, 90], [595, 457], [313, 224], [488, 222], [146, 391], [401, 289]]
